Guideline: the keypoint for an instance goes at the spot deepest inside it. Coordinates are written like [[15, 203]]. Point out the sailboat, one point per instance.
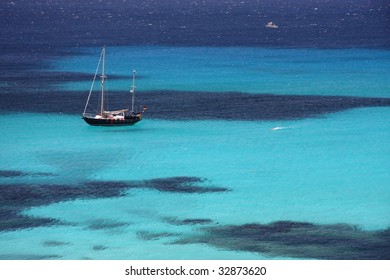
[[103, 117]]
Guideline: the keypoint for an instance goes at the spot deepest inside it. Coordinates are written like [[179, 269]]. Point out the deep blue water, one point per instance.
[[258, 143]]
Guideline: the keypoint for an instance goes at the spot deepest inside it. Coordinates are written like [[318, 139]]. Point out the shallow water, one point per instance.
[[328, 170], [345, 72], [257, 144]]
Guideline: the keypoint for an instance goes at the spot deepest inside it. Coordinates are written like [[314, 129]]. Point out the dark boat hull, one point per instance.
[[128, 120]]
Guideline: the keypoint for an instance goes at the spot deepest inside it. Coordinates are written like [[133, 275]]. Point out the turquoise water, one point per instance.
[[347, 72], [330, 169]]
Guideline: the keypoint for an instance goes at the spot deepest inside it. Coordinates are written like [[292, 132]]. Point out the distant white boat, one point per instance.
[[271, 25]]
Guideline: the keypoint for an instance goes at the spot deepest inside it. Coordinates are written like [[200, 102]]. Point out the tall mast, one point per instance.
[[102, 97], [93, 82], [133, 91]]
